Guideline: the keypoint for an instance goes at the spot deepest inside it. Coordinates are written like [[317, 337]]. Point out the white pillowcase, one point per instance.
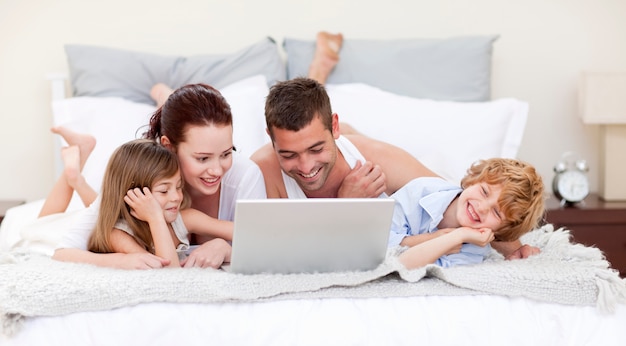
[[447, 137], [114, 121]]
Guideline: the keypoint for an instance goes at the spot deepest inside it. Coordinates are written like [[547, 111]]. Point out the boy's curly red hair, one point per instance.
[[521, 199]]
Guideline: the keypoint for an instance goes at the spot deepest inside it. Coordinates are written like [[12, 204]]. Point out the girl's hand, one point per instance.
[[480, 237], [210, 254], [140, 260], [143, 205]]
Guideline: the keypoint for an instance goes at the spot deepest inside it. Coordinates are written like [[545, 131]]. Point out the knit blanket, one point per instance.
[[563, 273]]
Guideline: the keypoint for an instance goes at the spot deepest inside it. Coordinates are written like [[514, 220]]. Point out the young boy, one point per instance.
[[499, 199]]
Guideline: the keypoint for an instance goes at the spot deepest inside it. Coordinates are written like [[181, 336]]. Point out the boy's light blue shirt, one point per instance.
[[420, 205]]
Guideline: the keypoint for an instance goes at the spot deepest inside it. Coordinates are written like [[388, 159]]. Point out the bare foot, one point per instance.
[[159, 93], [84, 142], [326, 55]]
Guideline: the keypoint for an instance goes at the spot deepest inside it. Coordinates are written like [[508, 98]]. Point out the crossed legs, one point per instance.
[[74, 157]]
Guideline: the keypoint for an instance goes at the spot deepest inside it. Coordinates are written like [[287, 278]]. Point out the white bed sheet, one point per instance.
[[433, 320]]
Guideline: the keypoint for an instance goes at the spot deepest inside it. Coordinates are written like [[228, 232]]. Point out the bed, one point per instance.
[[435, 103]]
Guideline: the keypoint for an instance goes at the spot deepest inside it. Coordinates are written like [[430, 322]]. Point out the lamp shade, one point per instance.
[[603, 97]]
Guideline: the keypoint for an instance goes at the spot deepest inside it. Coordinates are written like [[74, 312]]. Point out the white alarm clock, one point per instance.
[[570, 183]]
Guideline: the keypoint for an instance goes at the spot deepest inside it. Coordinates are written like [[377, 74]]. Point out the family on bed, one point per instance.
[[178, 185]]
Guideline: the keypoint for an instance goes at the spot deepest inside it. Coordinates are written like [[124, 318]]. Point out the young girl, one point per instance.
[[499, 199], [140, 207], [76, 226]]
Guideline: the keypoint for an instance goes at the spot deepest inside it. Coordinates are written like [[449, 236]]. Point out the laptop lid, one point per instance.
[[310, 235]]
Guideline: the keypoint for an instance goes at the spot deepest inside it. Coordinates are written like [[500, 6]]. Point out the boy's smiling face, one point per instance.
[[478, 207]]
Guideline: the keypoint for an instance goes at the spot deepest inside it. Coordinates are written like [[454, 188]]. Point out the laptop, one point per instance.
[[310, 235]]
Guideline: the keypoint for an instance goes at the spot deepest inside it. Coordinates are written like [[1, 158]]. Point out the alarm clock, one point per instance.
[[570, 183]]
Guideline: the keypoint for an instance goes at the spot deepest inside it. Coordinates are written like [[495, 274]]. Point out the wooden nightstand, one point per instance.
[[6, 204], [594, 222]]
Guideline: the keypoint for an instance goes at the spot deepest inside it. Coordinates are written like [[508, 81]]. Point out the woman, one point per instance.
[[195, 123]]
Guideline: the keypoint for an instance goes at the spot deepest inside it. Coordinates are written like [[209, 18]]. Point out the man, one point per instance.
[[310, 158]]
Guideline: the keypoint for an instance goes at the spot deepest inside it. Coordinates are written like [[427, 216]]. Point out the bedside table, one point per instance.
[[6, 205], [594, 222]]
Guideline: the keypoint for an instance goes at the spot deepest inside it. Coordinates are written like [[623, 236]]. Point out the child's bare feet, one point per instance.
[[84, 142], [159, 93], [326, 55]]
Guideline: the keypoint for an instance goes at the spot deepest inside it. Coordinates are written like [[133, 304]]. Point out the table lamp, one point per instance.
[[603, 102]]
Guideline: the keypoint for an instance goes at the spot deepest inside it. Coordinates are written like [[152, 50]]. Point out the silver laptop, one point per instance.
[[310, 235]]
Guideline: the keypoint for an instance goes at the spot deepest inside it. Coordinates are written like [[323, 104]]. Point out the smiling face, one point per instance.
[[308, 155], [169, 193], [477, 207], [205, 156]]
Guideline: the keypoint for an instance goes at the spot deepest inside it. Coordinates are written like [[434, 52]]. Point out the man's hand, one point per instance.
[[364, 180], [523, 251]]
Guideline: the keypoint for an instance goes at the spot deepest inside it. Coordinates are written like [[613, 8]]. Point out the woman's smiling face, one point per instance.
[[205, 156]]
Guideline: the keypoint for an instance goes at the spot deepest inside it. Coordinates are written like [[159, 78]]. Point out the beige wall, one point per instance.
[[544, 44]]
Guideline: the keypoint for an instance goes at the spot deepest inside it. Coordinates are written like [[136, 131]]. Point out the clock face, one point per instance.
[[572, 186]]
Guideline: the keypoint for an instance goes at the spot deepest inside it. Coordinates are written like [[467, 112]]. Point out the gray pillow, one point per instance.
[[100, 71], [454, 69]]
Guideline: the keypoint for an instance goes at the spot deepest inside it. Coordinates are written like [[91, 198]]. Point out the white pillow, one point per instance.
[[114, 121], [247, 103], [447, 137]]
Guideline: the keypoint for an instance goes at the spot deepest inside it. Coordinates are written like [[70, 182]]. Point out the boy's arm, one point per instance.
[[429, 251], [412, 240]]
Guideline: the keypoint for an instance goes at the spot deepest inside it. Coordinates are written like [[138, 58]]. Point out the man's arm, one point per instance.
[[266, 159], [398, 165]]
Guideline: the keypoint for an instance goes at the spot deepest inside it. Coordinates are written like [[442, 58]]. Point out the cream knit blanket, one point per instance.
[[565, 273]]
